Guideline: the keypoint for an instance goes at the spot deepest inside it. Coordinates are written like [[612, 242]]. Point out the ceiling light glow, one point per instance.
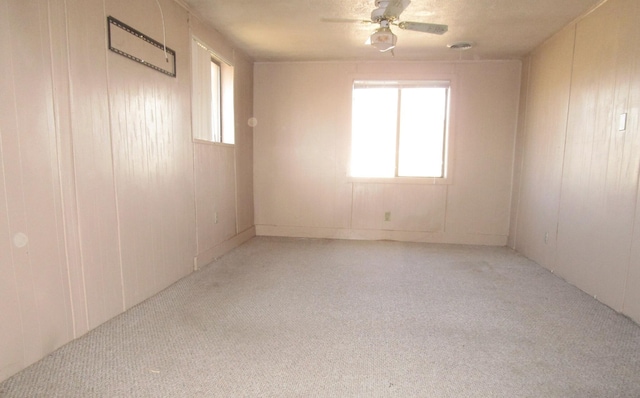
[[383, 39]]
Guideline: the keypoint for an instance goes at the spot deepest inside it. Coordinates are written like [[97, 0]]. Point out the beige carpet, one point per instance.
[[320, 318]]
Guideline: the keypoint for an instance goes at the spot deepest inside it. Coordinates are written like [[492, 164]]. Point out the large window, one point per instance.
[[399, 129], [212, 96]]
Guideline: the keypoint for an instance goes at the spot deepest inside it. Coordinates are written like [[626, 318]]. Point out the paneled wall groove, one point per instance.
[[553, 263], [114, 182], [631, 304], [12, 342], [66, 176], [519, 154]]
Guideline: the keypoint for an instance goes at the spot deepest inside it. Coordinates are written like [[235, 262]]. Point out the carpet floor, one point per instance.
[[281, 317]]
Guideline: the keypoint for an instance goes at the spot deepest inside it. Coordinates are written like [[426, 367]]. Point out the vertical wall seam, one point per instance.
[[24, 211], [631, 247], [625, 289], [113, 167], [352, 204], [82, 262], [521, 121], [235, 182], [564, 149], [2, 164], [194, 146], [67, 52], [59, 155]]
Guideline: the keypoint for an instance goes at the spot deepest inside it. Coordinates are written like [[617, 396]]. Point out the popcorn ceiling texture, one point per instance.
[[281, 317], [284, 30]]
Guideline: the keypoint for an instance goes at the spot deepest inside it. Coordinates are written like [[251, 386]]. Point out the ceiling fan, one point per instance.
[[387, 12]]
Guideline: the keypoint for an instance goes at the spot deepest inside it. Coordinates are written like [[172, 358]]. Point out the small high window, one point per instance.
[[399, 129], [211, 96]]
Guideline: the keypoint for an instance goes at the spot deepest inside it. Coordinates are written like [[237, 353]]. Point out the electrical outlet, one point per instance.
[[546, 237], [215, 217], [387, 216]]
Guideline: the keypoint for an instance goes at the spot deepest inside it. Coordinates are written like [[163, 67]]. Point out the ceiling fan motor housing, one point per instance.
[[381, 3], [377, 14]]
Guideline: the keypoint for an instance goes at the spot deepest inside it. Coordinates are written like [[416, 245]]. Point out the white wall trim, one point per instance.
[[362, 234], [221, 249]]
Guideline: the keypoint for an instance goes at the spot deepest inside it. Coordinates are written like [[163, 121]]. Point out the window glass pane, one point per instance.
[[422, 128], [215, 103], [374, 126], [228, 119]]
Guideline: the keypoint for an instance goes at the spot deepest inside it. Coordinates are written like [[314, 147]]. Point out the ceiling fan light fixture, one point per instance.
[[383, 39]]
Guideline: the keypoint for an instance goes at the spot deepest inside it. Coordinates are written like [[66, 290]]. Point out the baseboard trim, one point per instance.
[[361, 234], [221, 249]]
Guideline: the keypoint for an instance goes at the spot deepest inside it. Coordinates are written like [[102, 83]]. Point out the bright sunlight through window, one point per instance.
[[216, 105], [399, 129]]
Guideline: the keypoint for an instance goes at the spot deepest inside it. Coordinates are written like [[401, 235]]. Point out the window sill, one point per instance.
[[401, 180], [207, 142]]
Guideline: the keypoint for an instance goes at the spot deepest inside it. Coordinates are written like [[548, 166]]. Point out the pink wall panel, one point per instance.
[[223, 175], [244, 142], [595, 226], [31, 181], [410, 207], [631, 304], [19, 266], [155, 200], [11, 336], [598, 165], [97, 195], [215, 177], [92, 161], [153, 156], [62, 111], [484, 128], [543, 137]]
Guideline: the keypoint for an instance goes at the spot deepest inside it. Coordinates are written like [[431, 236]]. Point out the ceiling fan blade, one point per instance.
[[395, 8], [347, 20], [423, 27]]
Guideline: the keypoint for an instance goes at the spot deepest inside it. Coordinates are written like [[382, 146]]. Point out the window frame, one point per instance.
[[449, 133], [218, 103]]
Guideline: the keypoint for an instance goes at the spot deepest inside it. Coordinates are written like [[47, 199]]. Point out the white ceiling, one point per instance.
[[293, 30]]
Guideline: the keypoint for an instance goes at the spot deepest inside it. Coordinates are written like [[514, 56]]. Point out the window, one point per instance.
[[211, 96], [399, 129]]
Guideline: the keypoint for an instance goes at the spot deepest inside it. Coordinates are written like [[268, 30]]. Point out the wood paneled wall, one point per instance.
[[101, 184], [37, 315], [302, 150], [578, 201], [224, 173]]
